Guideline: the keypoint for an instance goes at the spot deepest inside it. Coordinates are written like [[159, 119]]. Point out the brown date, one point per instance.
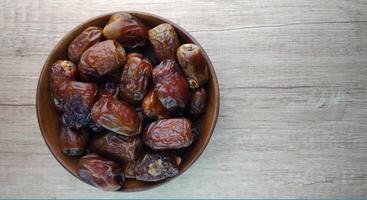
[[79, 99], [164, 41], [100, 172], [119, 147], [197, 102], [72, 142], [129, 169], [127, 29], [62, 71], [101, 59], [116, 116], [171, 86], [109, 89], [168, 134], [135, 78], [152, 107], [193, 64], [156, 167], [90, 36]]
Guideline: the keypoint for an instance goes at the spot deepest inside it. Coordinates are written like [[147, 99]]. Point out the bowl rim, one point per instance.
[[187, 34]]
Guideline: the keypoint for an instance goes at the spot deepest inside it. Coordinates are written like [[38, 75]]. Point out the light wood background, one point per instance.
[[293, 79]]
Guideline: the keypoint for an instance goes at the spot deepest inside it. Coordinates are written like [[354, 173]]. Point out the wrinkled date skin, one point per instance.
[[72, 142], [193, 63], [119, 147], [62, 71], [100, 172], [164, 41], [116, 116], [152, 107], [80, 98], [129, 169], [135, 78], [197, 102], [156, 167], [89, 37], [168, 134], [127, 29], [109, 89], [101, 59], [171, 85]]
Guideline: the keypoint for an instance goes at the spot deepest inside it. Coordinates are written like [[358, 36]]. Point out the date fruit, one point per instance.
[[156, 167], [116, 116], [101, 59], [197, 102], [171, 86], [119, 147], [127, 29], [62, 71], [152, 107], [164, 41], [72, 142], [80, 98], [168, 134], [90, 36], [192, 61], [100, 172], [135, 78]]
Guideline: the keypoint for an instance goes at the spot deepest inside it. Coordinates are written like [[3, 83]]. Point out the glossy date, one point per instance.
[[119, 147], [156, 167], [171, 86], [127, 29], [193, 64], [90, 36], [168, 134], [116, 116], [100, 172], [101, 59], [62, 71], [135, 77], [164, 41]]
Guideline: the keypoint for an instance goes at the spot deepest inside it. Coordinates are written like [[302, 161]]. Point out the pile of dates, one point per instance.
[[127, 97]]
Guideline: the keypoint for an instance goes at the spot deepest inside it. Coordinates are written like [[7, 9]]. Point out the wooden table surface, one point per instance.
[[293, 113]]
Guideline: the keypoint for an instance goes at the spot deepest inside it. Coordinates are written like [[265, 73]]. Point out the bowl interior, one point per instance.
[[48, 116]]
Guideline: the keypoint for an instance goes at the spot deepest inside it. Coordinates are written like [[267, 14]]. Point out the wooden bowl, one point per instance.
[[48, 115]]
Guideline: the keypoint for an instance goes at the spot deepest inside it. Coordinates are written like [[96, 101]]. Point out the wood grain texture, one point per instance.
[[293, 80]]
